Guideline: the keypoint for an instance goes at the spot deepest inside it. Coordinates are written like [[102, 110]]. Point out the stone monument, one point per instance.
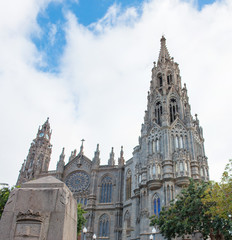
[[42, 209]]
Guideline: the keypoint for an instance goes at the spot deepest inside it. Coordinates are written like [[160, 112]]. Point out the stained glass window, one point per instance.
[[104, 226], [157, 205], [106, 190]]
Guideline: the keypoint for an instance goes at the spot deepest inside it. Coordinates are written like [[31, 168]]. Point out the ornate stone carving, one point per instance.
[[30, 215]]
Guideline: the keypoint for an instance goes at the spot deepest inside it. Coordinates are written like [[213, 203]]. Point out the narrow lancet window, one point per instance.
[[156, 204], [173, 109], [181, 167], [153, 170], [103, 226], [181, 142], [157, 145], [169, 78], [160, 80], [158, 112]]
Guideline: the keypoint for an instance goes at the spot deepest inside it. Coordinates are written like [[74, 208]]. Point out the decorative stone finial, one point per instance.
[[121, 152], [96, 159], [121, 159], [111, 161], [82, 147]]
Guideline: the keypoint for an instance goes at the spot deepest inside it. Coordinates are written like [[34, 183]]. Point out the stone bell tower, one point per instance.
[[171, 145], [39, 155], [172, 135]]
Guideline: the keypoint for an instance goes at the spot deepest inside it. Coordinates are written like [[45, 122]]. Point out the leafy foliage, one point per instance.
[[188, 214], [80, 218], [4, 194], [218, 197]]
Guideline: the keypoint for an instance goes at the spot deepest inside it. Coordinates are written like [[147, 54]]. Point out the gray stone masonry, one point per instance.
[[121, 196], [42, 209]]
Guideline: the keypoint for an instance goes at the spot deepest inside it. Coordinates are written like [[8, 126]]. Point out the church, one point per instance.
[[121, 196]]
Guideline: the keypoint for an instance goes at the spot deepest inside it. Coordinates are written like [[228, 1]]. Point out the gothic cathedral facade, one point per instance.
[[120, 198]]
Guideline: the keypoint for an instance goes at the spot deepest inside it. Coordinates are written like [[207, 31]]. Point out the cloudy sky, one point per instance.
[[86, 64]]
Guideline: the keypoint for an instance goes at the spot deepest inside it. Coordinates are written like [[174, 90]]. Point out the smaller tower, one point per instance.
[[39, 155]]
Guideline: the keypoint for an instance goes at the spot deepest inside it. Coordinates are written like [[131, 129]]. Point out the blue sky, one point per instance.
[[52, 22]]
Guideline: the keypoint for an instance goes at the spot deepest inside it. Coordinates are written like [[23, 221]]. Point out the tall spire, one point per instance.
[[164, 54]]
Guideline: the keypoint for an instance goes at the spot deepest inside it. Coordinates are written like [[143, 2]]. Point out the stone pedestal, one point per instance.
[[42, 209]]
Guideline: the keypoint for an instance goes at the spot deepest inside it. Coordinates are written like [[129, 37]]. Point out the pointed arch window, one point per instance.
[[173, 109], [202, 172], [169, 79], [186, 166], [181, 166], [177, 141], [173, 143], [140, 178], [128, 184], [157, 144], [158, 112], [153, 170], [153, 146], [160, 80], [181, 142], [156, 204], [104, 226], [106, 190], [186, 142]]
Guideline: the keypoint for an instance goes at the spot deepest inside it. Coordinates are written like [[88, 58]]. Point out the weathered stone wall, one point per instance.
[[42, 209]]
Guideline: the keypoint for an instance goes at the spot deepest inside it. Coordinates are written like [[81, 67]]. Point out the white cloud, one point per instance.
[[105, 74]]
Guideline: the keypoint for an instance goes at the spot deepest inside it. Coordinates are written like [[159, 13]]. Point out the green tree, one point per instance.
[[188, 214], [80, 218], [218, 196], [4, 194]]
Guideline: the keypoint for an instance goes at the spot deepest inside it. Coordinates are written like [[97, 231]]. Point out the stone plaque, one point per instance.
[[27, 229]]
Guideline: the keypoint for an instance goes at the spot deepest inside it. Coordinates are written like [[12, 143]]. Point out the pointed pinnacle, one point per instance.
[[112, 153], [82, 146], [164, 54], [97, 152], [62, 151], [121, 152]]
